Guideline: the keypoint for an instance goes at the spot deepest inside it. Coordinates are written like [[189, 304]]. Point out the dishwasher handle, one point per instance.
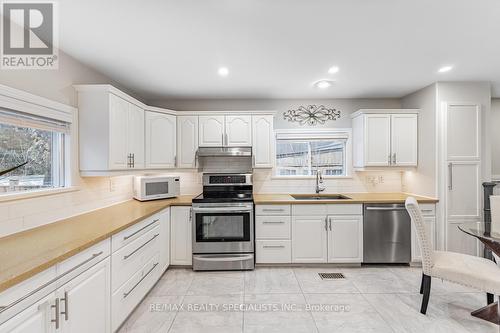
[[385, 208]]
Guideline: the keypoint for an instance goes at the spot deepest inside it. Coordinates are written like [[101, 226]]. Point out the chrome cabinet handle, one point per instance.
[[389, 159], [272, 209], [273, 246], [65, 300], [133, 160], [394, 158], [135, 233], [138, 282], [190, 215], [330, 223], [175, 160], [129, 160], [326, 223], [125, 257], [56, 308], [273, 222], [45, 285], [450, 176], [222, 138]]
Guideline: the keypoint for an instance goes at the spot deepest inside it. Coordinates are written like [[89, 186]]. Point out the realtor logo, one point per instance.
[[29, 35]]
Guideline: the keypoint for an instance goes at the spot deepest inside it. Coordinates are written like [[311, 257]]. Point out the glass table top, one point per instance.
[[481, 230]]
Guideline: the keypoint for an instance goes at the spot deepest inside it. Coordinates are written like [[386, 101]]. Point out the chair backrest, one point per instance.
[[495, 213], [423, 238]]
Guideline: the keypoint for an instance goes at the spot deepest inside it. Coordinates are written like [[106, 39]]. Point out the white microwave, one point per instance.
[[155, 187]]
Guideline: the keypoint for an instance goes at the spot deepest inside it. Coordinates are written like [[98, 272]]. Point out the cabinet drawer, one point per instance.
[[428, 209], [272, 227], [129, 259], [273, 251], [272, 210], [345, 209], [132, 233], [79, 263], [309, 209], [129, 295]]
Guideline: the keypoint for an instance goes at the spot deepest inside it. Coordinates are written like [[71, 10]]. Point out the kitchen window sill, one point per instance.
[[35, 194]]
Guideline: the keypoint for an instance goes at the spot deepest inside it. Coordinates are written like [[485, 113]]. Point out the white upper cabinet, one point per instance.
[[111, 130], [463, 132], [211, 131], [403, 139], [160, 140], [263, 141], [135, 140], [187, 141], [385, 138], [238, 131], [118, 138]]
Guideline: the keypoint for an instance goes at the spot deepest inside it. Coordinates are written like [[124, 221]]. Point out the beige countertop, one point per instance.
[[396, 197], [27, 253]]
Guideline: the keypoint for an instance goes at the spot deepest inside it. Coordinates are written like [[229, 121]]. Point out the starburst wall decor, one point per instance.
[[311, 115]]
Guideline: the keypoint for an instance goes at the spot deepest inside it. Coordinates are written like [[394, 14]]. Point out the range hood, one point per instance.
[[225, 151]]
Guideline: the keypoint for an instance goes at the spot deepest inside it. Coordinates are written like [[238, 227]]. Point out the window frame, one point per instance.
[[315, 134], [36, 106]]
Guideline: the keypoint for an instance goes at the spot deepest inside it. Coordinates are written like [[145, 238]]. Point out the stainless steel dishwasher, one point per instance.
[[386, 233]]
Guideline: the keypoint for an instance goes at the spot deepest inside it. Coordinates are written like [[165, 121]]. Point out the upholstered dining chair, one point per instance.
[[470, 271]]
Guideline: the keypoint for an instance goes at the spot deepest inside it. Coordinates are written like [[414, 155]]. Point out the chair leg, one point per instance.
[[422, 285], [490, 298], [426, 284]]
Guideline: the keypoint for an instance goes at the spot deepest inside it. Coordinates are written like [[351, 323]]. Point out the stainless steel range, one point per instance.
[[223, 230]]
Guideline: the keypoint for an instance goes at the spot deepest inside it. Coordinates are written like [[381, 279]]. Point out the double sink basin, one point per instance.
[[319, 197]]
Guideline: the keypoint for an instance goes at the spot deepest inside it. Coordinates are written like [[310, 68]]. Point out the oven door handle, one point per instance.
[[221, 210], [237, 258]]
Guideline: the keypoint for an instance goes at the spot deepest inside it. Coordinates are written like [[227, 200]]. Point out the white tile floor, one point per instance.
[[369, 299]]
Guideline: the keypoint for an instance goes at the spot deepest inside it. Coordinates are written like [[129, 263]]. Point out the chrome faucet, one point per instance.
[[320, 186]]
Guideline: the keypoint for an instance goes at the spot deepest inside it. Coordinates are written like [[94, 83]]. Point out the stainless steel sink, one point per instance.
[[319, 197]]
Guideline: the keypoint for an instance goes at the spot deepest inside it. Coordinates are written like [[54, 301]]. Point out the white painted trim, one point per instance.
[[384, 111], [19, 100], [37, 193], [495, 178]]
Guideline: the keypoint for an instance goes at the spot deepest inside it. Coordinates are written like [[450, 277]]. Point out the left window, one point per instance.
[[36, 142]]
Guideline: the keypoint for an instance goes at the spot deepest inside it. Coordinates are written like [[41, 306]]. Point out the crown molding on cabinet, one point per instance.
[[384, 111]]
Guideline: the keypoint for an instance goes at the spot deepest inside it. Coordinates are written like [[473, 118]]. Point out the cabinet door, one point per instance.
[[429, 223], [345, 238], [377, 139], [36, 318], [187, 141], [458, 241], [309, 239], [85, 301], [181, 252], [164, 217], [211, 131], [262, 141], [404, 139], [118, 136], [238, 131], [464, 186], [136, 135], [463, 132], [160, 140]]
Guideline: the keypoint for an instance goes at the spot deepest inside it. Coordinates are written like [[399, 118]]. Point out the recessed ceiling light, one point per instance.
[[323, 84], [333, 70], [445, 69], [223, 71]]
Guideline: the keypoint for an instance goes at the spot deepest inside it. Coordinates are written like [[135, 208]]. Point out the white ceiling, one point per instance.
[[276, 48]]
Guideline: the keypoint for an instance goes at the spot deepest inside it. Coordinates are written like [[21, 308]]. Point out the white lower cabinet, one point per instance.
[[181, 252], [164, 245], [327, 234], [273, 251], [428, 212], [309, 239], [85, 301], [345, 239], [36, 318]]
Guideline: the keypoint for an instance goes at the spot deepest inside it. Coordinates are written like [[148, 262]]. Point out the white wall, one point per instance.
[[91, 193], [495, 138], [423, 180]]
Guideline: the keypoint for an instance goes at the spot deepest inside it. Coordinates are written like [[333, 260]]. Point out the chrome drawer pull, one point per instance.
[[273, 222], [140, 247], [135, 233], [272, 209], [138, 282], [274, 246], [45, 285]]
